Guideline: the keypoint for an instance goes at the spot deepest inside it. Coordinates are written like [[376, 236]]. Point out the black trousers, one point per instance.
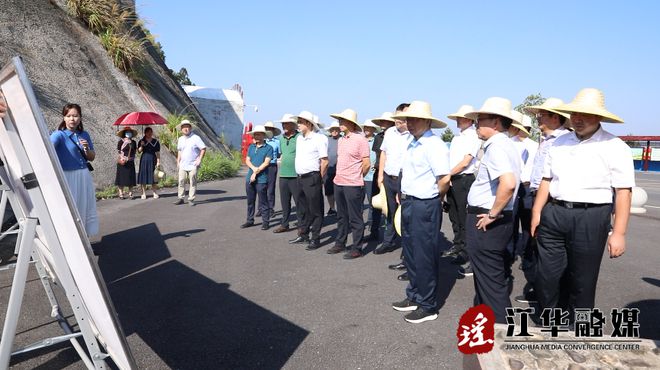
[[329, 181], [371, 189], [523, 243], [571, 243], [311, 186], [420, 237], [457, 199], [491, 262], [289, 189], [252, 190], [392, 188], [349, 214], [272, 181]]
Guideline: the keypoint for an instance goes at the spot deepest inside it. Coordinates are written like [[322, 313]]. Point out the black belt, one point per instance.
[[480, 210], [392, 177], [461, 175], [272, 164], [406, 196], [308, 174], [571, 205]]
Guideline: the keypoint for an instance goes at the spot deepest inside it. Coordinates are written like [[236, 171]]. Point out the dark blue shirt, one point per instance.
[[67, 149], [257, 157]]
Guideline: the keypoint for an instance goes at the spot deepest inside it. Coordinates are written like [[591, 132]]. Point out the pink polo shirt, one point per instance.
[[350, 151]]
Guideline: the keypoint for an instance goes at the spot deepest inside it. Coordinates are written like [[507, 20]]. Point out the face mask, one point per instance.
[[128, 135]]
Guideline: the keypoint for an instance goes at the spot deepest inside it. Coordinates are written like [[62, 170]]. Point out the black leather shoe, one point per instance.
[[247, 224], [384, 249], [397, 266], [299, 240], [313, 245], [403, 277], [452, 252], [265, 226]]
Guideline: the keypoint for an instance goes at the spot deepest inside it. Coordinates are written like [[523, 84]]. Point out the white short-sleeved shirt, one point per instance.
[[190, 146], [527, 149], [467, 142], [500, 157], [309, 151], [586, 171], [541, 154], [424, 160], [394, 145]]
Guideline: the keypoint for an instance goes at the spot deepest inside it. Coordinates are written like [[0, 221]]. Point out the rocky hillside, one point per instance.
[[66, 63]]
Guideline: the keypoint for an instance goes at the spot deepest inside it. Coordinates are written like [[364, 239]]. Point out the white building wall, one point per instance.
[[222, 109]]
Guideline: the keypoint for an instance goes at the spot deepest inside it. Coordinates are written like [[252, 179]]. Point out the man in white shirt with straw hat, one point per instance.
[[424, 182], [572, 213], [552, 124], [462, 157], [352, 164], [489, 223], [190, 152], [311, 165]]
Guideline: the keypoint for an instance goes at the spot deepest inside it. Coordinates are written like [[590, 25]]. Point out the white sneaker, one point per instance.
[[156, 196], [144, 196]]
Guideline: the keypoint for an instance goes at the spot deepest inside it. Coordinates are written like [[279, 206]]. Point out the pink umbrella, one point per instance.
[[140, 119]]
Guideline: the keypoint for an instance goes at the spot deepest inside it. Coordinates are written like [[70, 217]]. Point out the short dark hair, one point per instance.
[[506, 121], [562, 119], [402, 106]]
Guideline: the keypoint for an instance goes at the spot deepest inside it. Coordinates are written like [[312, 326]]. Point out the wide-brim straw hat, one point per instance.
[[269, 125], [317, 120], [590, 101], [397, 220], [309, 117], [379, 201], [462, 112], [121, 132], [494, 105], [421, 109], [334, 124], [385, 118], [349, 115], [368, 123], [549, 105], [184, 122], [527, 122], [262, 129], [288, 118]]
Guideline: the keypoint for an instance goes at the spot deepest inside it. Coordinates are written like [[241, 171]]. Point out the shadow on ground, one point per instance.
[[189, 320]]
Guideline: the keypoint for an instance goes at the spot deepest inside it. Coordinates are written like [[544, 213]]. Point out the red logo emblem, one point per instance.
[[476, 330]]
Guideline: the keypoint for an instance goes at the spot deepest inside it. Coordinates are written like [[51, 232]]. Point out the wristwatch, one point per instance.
[[491, 217]]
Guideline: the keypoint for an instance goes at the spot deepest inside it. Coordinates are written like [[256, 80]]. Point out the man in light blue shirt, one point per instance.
[[424, 182], [273, 142]]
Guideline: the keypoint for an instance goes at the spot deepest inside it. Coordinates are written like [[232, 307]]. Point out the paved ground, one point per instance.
[[193, 291]]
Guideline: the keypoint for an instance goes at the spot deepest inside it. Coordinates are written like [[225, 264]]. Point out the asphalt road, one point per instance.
[[193, 291]]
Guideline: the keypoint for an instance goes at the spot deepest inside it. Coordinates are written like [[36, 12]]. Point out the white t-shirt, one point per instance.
[[500, 157], [190, 146], [394, 145], [527, 149], [586, 171], [467, 142], [309, 151]]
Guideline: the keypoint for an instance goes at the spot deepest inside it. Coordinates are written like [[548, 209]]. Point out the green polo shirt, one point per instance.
[[288, 156]]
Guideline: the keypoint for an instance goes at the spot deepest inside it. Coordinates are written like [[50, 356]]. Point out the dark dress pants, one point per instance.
[[252, 190], [420, 239], [457, 199], [571, 243], [289, 189], [392, 188], [490, 261], [372, 190], [272, 181], [349, 214], [311, 186]]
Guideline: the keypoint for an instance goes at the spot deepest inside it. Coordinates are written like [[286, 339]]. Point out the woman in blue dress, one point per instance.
[[149, 146]]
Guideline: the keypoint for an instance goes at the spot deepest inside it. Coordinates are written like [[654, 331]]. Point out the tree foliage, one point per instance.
[[182, 77], [447, 135], [533, 99]]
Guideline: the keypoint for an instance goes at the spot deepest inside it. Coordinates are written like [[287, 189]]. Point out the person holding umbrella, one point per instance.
[[126, 149], [149, 146]]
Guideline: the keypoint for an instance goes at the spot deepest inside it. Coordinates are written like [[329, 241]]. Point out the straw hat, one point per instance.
[[368, 123], [397, 220], [527, 122], [590, 101], [421, 109], [121, 132], [184, 122], [288, 118], [379, 201], [462, 112], [334, 124], [349, 115], [385, 118], [549, 105], [495, 105], [269, 125], [309, 117], [262, 129]]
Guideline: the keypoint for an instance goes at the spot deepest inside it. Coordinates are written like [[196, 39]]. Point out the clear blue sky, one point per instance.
[[372, 55]]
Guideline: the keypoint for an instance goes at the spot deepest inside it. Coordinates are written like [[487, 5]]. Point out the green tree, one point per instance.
[[447, 135], [182, 77], [533, 99]]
